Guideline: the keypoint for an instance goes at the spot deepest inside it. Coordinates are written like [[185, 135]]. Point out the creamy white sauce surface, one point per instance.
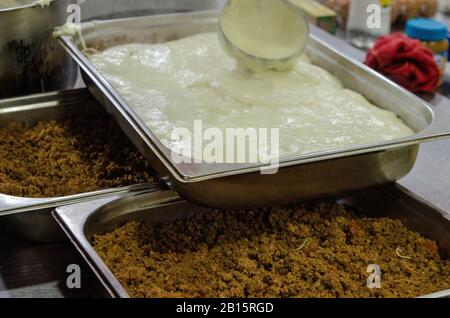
[[172, 84], [43, 3]]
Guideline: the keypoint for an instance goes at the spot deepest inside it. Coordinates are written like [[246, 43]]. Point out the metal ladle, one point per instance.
[[263, 34]]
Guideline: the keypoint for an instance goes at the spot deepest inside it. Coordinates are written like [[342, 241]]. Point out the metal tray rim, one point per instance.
[[74, 229], [23, 204], [14, 204]]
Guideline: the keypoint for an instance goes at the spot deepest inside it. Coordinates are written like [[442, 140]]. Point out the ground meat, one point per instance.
[[61, 158], [285, 251]]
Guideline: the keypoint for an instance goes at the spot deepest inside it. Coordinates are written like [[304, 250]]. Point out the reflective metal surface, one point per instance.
[[31, 61], [30, 217], [95, 9], [82, 221], [301, 177], [35, 270]]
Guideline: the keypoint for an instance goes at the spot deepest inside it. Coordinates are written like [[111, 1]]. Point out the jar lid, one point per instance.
[[426, 29]]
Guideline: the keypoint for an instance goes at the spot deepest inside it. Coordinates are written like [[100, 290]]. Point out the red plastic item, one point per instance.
[[405, 61]]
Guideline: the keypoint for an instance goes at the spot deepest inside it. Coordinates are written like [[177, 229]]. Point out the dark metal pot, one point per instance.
[[31, 61]]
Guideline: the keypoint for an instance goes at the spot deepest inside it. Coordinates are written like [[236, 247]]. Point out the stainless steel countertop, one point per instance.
[[39, 270]]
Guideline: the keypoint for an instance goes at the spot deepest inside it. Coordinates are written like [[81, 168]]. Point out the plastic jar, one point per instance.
[[433, 35]]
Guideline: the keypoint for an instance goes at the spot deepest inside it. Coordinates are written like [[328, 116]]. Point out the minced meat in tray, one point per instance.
[[60, 158], [287, 251]]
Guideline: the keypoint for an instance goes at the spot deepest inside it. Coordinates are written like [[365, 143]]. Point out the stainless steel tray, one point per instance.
[[300, 177], [82, 221], [30, 218]]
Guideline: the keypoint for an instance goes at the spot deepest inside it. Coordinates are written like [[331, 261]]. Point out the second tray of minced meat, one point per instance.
[[75, 153]]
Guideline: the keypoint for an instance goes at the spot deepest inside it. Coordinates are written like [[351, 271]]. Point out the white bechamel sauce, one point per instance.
[[172, 84], [43, 3]]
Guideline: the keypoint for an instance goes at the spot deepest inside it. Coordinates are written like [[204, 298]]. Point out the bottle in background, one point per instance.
[[368, 20], [445, 6]]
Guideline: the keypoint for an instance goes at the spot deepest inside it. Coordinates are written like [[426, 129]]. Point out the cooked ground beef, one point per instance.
[[61, 158], [287, 251]]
